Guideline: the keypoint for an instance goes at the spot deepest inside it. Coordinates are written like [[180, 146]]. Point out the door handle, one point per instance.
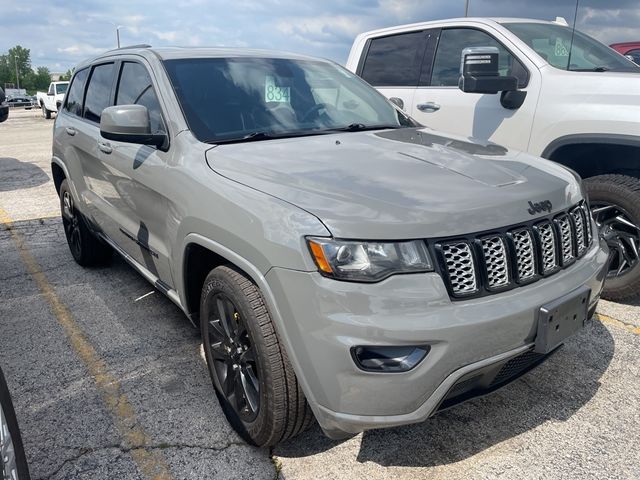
[[428, 107], [70, 131], [105, 147]]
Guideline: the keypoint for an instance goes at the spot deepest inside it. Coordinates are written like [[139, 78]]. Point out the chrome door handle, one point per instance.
[[105, 147], [428, 107], [70, 131]]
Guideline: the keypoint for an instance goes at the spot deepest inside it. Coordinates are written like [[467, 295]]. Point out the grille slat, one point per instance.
[[525, 254], [566, 239], [460, 267], [548, 246], [557, 243], [495, 259], [578, 221]]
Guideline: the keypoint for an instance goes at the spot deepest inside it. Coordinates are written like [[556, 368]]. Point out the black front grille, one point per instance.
[[515, 367], [479, 264], [491, 377]]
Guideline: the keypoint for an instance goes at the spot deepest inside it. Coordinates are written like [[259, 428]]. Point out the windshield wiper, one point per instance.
[[360, 127]]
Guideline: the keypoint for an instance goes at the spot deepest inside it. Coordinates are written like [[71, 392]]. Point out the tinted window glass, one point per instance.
[[635, 54], [74, 97], [568, 50], [395, 61], [135, 88], [61, 88], [446, 68], [98, 91], [230, 99]]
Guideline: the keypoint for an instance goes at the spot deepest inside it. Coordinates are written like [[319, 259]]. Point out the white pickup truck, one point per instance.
[[572, 100], [52, 99]]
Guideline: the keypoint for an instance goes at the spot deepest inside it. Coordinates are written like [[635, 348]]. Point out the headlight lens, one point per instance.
[[360, 261]]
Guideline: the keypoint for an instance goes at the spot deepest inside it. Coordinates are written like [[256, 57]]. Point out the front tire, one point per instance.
[[46, 113], [13, 462], [87, 249], [615, 204], [253, 378]]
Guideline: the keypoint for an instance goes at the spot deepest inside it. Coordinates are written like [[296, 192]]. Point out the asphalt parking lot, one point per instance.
[[109, 381]]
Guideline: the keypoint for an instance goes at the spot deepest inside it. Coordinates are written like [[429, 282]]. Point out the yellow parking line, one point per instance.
[[617, 323], [150, 462]]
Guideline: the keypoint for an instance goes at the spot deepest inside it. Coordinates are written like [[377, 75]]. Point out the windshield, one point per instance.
[[61, 88], [553, 42], [229, 99]]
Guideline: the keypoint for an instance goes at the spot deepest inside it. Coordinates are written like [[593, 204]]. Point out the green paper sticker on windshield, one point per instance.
[[560, 50], [274, 93]]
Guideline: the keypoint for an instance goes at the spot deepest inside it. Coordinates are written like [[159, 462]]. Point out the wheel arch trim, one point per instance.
[[260, 280], [586, 138]]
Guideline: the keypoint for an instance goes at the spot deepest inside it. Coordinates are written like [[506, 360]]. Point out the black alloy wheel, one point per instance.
[[233, 357], [621, 234], [71, 223]]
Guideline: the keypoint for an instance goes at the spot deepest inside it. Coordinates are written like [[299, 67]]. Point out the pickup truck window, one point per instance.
[[553, 43], [237, 99], [395, 60], [98, 91], [73, 104], [135, 88], [446, 67], [61, 88]]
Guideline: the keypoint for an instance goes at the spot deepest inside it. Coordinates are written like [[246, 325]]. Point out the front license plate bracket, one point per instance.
[[561, 318]]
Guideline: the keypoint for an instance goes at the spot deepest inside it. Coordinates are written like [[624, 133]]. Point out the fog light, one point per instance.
[[388, 359]]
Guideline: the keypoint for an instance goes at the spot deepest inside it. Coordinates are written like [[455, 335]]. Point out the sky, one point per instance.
[[61, 33]]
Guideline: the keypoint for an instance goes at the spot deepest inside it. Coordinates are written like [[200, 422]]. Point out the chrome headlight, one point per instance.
[[361, 261]]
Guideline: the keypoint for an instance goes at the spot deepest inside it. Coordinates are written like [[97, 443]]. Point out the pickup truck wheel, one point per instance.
[[86, 248], [615, 205], [46, 113], [253, 378], [13, 463]]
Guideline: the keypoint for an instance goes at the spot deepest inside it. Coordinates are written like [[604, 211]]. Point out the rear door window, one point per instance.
[[395, 61], [73, 104], [98, 92], [135, 88], [446, 67]]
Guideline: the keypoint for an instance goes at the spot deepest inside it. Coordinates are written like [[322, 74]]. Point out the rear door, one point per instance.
[[393, 63], [440, 104]]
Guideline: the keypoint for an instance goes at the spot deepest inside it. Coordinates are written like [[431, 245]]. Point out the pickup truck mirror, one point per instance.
[[130, 124], [479, 72]]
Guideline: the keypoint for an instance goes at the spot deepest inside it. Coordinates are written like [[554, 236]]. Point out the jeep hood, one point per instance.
[[398, 184]]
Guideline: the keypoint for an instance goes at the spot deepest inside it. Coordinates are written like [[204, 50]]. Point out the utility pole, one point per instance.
[[466, 8], [15, 60]]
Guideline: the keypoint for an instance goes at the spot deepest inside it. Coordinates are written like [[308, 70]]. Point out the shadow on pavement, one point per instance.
[[552, 392], [16, 175]]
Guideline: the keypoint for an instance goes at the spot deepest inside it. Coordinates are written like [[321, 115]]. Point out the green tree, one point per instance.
[[5, 70], [67, 76], [42, 78], [20, 58]]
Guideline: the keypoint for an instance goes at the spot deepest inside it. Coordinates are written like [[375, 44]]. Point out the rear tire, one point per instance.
[[87, 249], [13, 461], [253, 350], [615, 204]]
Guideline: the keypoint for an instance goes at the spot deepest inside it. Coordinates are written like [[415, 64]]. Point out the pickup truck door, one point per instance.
[[441, 105], [392, 64]]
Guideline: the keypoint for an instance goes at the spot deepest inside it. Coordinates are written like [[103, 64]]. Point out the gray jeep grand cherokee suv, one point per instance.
[[342, 261]]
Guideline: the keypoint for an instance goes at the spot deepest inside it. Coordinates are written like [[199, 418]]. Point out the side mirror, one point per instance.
[[130, 124], [479, 72], [397, 102]]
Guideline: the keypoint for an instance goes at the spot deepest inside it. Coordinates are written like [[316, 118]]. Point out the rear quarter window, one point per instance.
[[73, 104]]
